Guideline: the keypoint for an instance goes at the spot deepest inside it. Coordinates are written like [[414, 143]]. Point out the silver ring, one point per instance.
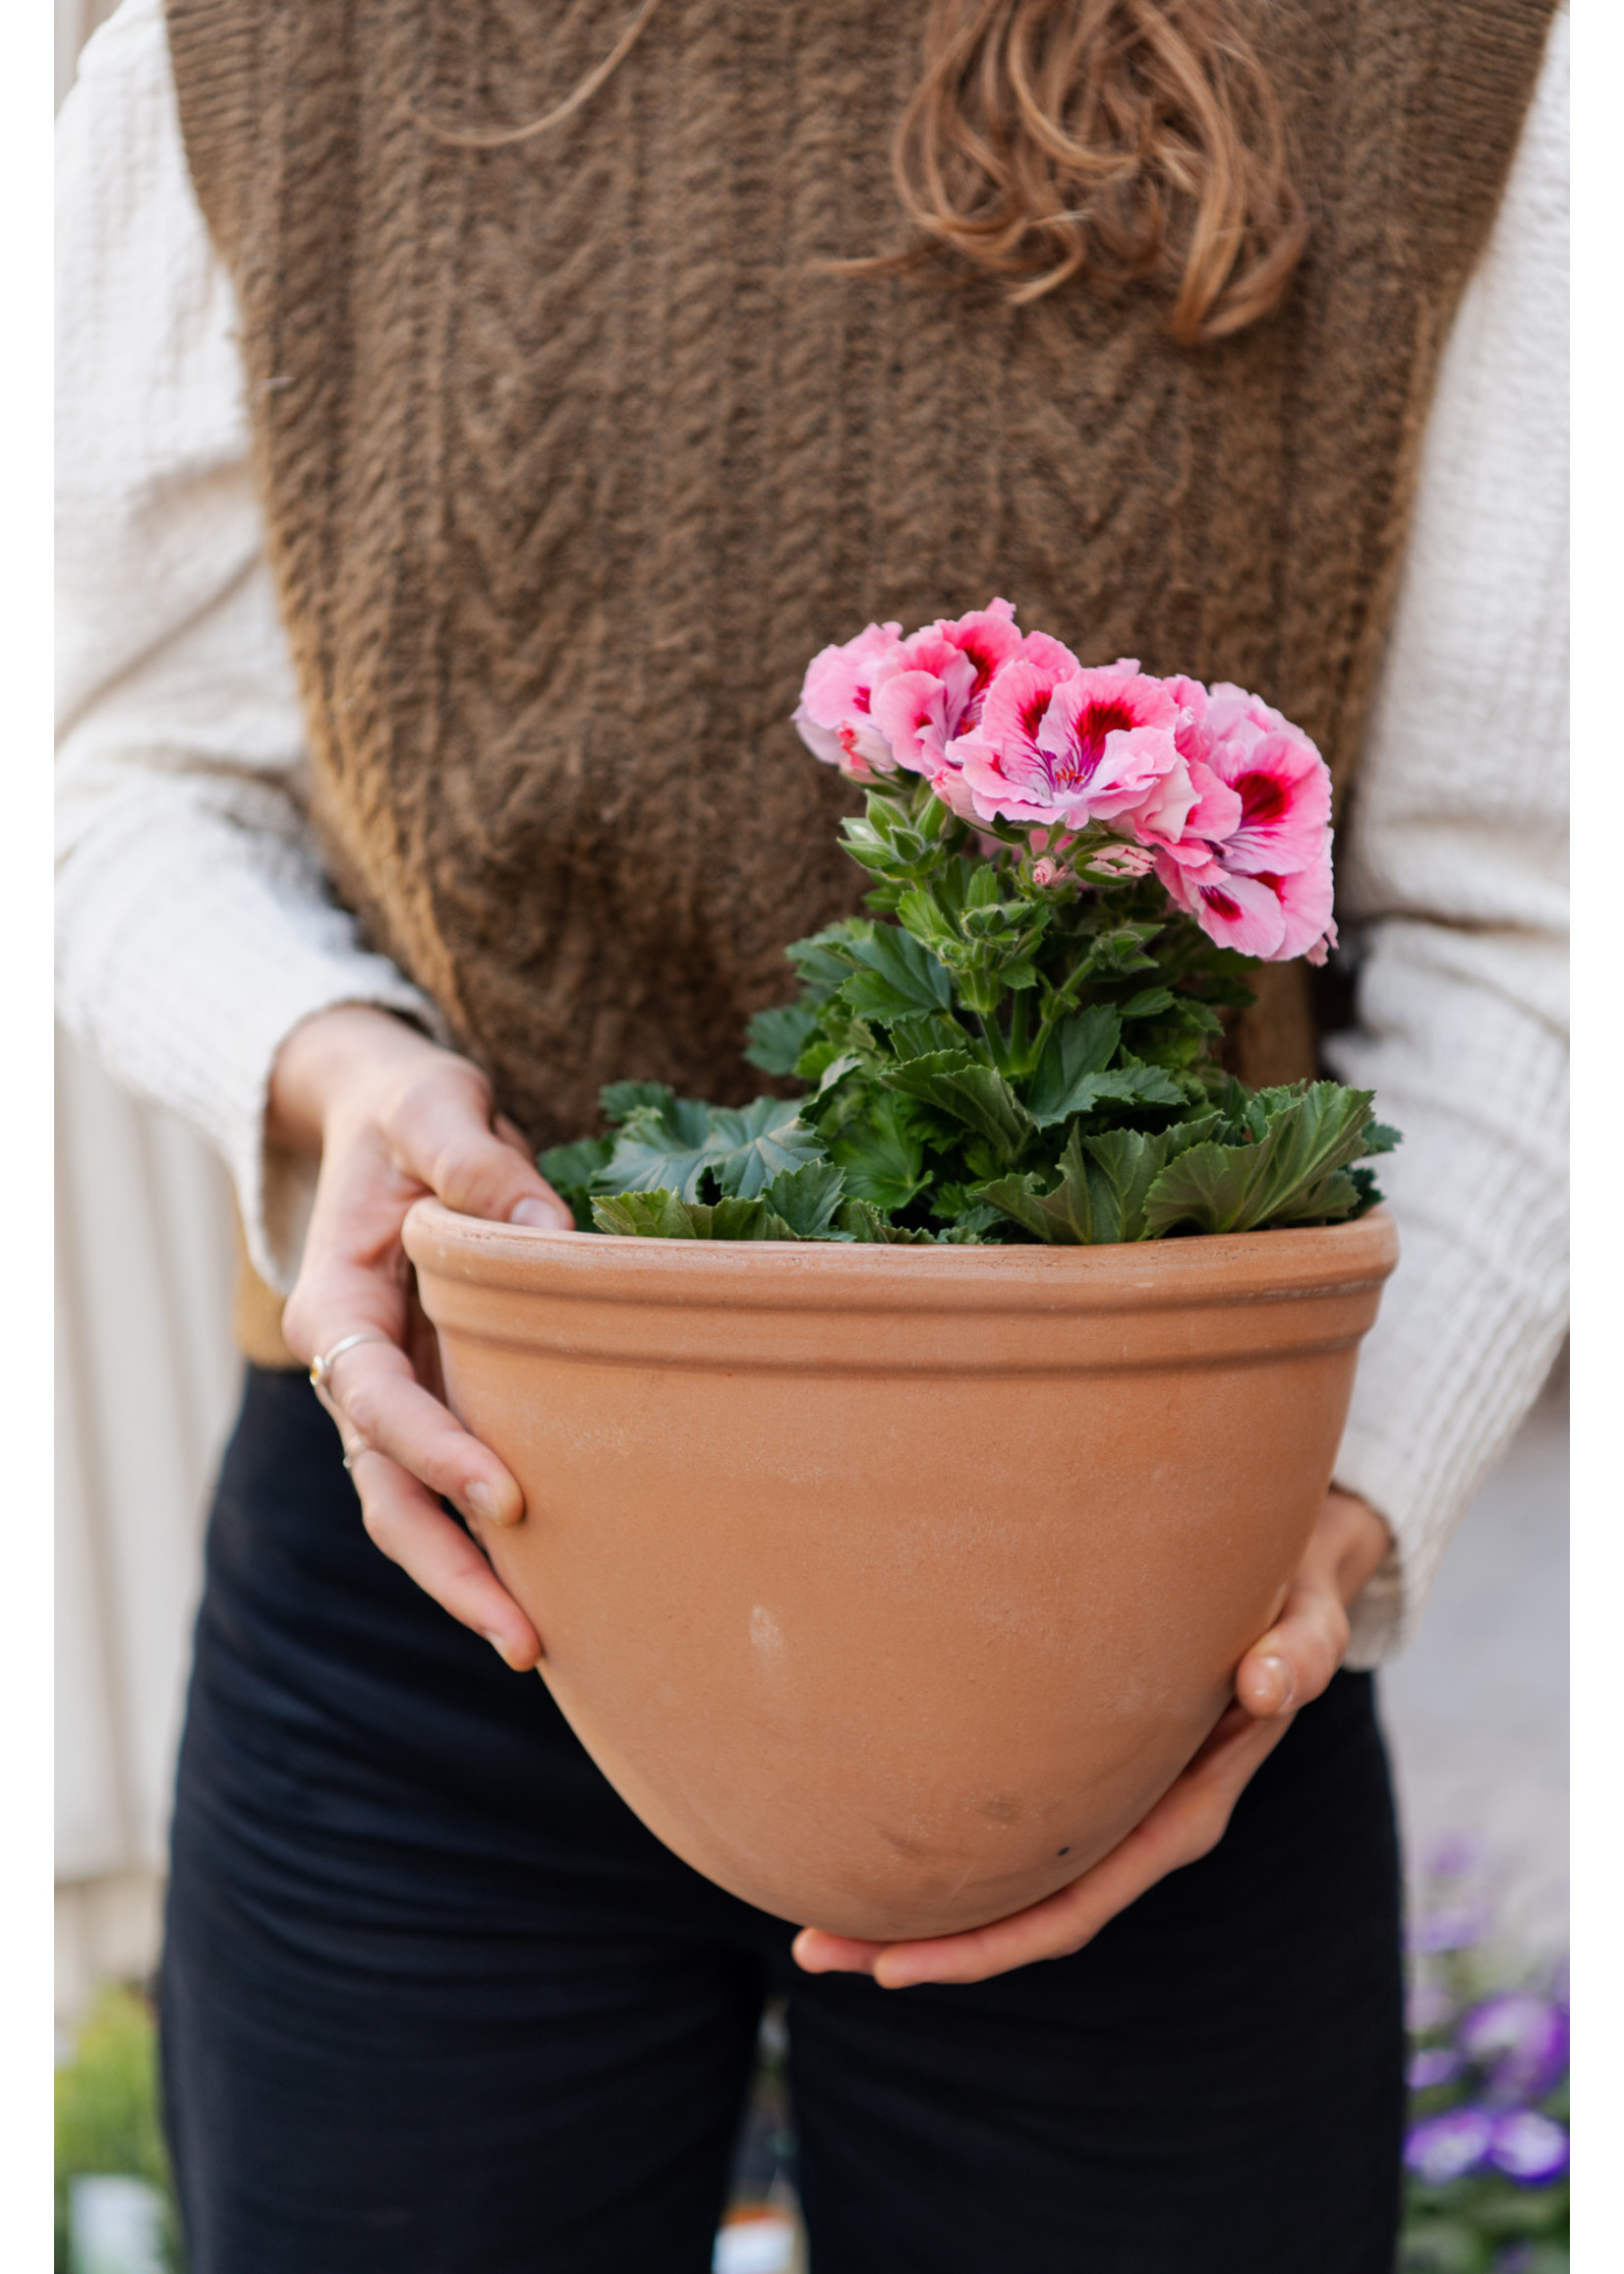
[[320, 1373]]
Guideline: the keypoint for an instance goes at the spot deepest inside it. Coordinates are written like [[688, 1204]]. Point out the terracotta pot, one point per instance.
[[891, 1586]]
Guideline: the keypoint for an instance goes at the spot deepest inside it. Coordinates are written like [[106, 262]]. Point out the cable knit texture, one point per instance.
[[572, 456]]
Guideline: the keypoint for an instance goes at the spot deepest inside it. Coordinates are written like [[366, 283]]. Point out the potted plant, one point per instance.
[[909, 1460]]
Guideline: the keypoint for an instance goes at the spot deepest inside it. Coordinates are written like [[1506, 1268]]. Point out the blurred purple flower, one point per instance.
[[1529, 2148], [1428, 2007], [1521, 2039], [1455, 1855], [1447, 2147], [1452, 1927], [1434, 2064]]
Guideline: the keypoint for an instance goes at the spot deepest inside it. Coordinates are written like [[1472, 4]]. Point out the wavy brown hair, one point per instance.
[[1108, 140]]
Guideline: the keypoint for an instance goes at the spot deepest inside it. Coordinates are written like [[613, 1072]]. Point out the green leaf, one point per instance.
[[1381, 1137], [570, 1169], [756, 1142], [657, 1215], [664, 1147], [1075, 1055], [1288, 1175], [956, 1083], [822, 958], [923, 1031], [861, 1221], [897, 974], [777, 1037], [677, 1145], [1122, 1165], [619, 1100], [1104, 1180], [666, 1215], [807, 1199], [1149, 1002], [880, 1152]]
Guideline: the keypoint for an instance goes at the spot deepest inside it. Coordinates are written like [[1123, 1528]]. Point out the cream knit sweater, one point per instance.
[[195, 929]]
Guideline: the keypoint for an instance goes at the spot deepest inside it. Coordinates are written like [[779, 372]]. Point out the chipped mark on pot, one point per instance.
[[765, 1635]]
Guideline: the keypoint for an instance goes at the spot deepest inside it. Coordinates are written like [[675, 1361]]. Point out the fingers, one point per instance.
[[1295, 1660], [374, 1396], [405, 1521], [441, 1129], [1186, 1824]]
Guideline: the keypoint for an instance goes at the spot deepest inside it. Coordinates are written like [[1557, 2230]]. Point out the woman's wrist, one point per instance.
[[332, 1058]]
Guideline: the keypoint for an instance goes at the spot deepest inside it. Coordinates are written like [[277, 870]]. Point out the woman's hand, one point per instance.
[[1282, 1671], [394, 1117]]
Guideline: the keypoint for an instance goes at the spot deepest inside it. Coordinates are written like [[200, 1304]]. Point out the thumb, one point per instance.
[[480, 1170]]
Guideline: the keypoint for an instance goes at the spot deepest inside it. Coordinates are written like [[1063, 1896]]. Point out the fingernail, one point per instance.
[[1284, 1682], [540, 1215], [482, 1500], [497, 1645]]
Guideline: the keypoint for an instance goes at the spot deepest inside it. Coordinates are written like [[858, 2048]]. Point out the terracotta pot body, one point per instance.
[[891, 1586]]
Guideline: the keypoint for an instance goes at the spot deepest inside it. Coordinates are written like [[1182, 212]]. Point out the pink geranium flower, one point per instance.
[[835, 715], [1272, 917], [1074, 746], [1282, 783], [1237, 912], [935, 689]]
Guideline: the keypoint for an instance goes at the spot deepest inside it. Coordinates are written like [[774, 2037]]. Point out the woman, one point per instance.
[[472, 429]]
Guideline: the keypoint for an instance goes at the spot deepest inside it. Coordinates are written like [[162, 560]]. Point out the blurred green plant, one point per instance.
[[107, 2111]]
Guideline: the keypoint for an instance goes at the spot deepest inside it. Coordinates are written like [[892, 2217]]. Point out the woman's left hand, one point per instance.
[[1281, 1672]]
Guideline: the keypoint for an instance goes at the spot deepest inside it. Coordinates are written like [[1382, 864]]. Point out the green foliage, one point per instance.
[[106, 2109], [984, 1058]]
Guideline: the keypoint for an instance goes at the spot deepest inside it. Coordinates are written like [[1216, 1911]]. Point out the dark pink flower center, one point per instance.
[[1264, 797], [1088, 744], [1221, 905]]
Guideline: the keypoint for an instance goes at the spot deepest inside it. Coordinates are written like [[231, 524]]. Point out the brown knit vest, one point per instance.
[[572, 455]]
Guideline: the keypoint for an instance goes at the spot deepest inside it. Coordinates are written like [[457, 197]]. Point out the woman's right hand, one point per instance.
[[394, 1117]]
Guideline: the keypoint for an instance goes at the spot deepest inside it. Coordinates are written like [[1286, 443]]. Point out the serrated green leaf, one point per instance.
[[656, 1215], [821, 959], [666, 1215], [956, 1083], [897, 974], [759, 1141], [1381, 1137], [1149, 1002], [1286, 1172], [664, 1147], [570, 1169], [880, 1152], [678, 1145], [923, 1031], [836, 1072], [777, 1037], [861, 1221], [619, 1100], [807, 1199], [1076, 1056]]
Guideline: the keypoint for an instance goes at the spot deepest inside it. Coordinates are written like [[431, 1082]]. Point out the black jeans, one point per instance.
[[434, 2002]]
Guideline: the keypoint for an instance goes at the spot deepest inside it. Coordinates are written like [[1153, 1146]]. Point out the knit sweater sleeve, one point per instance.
[[195, 927], [1454, 874]]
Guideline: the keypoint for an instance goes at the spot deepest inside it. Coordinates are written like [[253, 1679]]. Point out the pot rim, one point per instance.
[[1218, 1268]]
